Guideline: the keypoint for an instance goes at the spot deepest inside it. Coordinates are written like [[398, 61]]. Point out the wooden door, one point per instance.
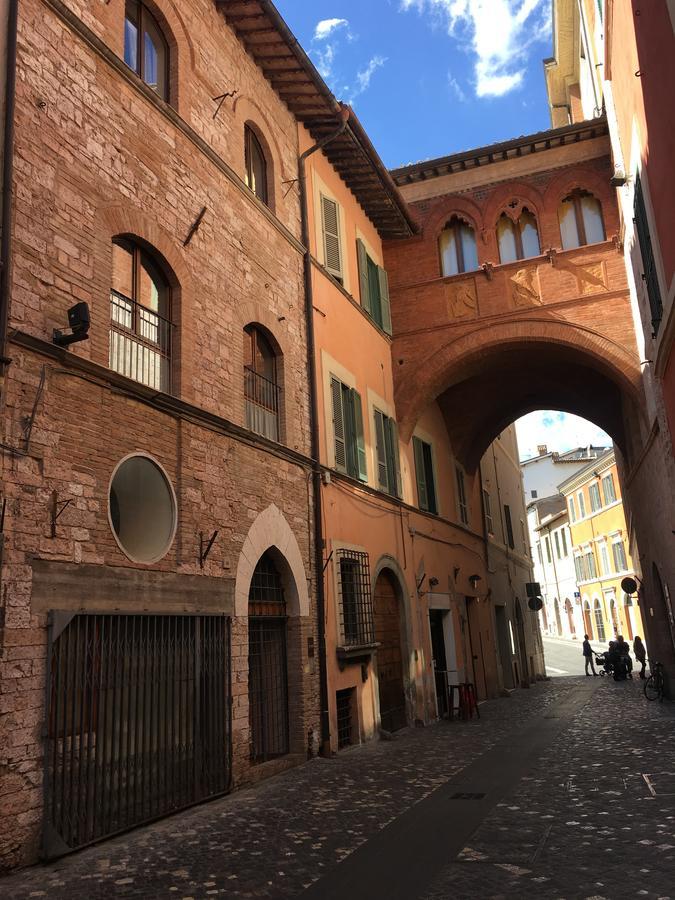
[[389, 655]]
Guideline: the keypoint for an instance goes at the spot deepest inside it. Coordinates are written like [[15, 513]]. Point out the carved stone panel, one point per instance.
[[524, 288], [462, 301], [592, 277]]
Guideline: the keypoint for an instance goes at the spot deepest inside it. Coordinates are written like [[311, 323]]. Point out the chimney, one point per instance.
[[542, 449]]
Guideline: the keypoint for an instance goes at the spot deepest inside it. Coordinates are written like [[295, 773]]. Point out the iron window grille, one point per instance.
[[268, 674], [140, 342], [356, 608], [262, 404]]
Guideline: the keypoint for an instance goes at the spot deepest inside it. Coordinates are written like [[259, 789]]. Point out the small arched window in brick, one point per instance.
[[145, 48], [457, 245], [261, 387], [517, 240], [580, 216], [256, 166]]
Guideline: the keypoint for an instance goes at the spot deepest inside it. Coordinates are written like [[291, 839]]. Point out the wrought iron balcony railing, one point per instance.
[[140, 342], [262, 404]]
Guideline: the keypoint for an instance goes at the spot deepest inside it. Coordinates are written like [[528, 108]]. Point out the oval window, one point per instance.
[[142, 509]]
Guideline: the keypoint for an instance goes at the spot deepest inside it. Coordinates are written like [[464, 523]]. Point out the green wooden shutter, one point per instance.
[[429, 477], [381, 450], [647, 252], [391, 451], [338, 425], [384, 299], [332, 252], [422, 496], [350, 431], [362, 257], [360, 439]]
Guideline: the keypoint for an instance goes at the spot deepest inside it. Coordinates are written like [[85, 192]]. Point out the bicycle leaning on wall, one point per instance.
[[655, 684]]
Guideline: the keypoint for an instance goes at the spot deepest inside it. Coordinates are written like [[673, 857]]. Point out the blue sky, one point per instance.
[[431, 77]]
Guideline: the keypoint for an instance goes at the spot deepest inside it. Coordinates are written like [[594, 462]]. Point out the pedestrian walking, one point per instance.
[[640, 653], [587, 650]]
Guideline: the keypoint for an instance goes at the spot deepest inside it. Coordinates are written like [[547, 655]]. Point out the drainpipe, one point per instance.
[[344, 113], [7, 178]]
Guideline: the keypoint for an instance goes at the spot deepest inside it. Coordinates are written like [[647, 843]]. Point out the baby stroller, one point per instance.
[[612, 664]]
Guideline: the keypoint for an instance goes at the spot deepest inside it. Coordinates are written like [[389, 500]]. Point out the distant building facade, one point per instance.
[[554, 567], [601, 552]]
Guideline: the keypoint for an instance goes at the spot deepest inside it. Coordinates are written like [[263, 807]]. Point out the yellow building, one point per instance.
[[600, 548]]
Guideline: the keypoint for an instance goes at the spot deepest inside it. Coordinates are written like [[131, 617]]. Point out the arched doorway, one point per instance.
[[386, 614], [268, 676], [588, 621], [558, 620], [570, 617], [599, 620]]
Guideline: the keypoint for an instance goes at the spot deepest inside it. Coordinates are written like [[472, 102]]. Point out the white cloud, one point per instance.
[[324, 61], [364, 76], [498, 33], [326, 27], [559, 431], [456, 88]]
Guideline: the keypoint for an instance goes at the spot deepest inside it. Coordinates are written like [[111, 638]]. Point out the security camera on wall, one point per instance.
[[79, 321]]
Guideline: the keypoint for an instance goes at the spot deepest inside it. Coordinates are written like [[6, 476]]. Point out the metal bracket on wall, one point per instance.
[[205, 547], [57, 509], [221, 98], [195, 225]]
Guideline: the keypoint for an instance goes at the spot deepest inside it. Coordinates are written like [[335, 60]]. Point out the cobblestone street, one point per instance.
[[578, 778]]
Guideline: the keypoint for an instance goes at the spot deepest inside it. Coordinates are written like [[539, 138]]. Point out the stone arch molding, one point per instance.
[[271, 530]]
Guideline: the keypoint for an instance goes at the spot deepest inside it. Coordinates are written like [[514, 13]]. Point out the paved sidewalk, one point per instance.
[[577, 819]]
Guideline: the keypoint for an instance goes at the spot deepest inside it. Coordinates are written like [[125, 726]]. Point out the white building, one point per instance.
[[543, 473]]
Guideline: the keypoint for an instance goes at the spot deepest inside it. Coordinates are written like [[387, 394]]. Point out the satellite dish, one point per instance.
[[535, 603], [629, 585]]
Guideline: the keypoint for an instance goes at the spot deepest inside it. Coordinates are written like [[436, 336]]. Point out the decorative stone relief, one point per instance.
[[591, 277], [461, 299], [524, 287]]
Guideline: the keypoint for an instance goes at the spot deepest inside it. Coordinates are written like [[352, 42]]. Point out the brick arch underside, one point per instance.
[[485, 380]]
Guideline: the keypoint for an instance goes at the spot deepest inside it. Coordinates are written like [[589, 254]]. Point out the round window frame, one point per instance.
[[174, 524]]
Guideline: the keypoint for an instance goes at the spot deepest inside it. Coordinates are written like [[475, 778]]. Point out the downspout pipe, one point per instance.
[[7, 179], [314, 424]]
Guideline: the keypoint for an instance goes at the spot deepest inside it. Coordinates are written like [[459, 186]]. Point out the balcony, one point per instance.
[[140, 343], [262, 404]]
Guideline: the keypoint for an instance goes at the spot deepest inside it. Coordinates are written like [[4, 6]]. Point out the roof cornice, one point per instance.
[[494, 153]]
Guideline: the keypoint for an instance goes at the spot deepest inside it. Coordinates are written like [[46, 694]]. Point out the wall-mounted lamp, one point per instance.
[[474, 579], [433, 582], [455, 572]]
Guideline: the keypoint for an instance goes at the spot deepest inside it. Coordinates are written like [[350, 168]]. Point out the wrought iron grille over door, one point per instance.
[[138, 722], [267, 678]]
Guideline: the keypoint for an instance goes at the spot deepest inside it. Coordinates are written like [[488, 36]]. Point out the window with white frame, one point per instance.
[[582, 504], [589, 559], [349, 441], [619, 554], [573, 509], [547, 541], [386, 447], [556, 538], [462, 503], [332, 242], [594, 494], [563, 535], [579, 568], [604, 558], [608, 491], [540, 554]]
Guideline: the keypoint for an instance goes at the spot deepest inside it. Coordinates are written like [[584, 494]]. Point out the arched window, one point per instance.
[[599, 621], [140, 316], [458, 248], [145, 48], [581, 223], [517, 240], [267, 672], [261, 389], [256, 165]]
